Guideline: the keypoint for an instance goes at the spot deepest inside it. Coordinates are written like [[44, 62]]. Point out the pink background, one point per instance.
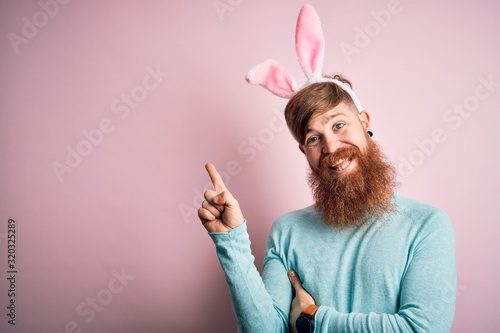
[[129, 205]]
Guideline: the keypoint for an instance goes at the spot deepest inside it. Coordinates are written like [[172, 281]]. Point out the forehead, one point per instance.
[[323, 118]]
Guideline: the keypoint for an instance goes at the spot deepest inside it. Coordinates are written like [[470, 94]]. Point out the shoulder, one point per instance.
[[422, 215], [295, 228], [300, 214], [296, 217], [306, 217]]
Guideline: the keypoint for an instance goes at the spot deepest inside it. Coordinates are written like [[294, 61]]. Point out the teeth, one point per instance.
[[341, 164], [344, 165], [337, 162]]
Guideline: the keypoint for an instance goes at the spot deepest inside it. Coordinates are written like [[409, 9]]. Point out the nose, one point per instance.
[[330, 144]]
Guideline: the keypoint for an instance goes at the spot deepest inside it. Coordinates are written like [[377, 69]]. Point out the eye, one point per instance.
[[339, 126], [312, 141]]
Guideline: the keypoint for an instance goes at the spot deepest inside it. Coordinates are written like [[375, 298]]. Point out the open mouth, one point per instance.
[[341, 164]]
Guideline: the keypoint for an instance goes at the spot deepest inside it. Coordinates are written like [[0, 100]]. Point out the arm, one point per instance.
[[428, 290], [253, 306]]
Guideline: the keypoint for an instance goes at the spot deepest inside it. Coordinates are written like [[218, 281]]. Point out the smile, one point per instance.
[[342, 165]]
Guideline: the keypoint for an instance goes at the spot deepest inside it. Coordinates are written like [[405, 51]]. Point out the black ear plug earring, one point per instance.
[[370, 133]]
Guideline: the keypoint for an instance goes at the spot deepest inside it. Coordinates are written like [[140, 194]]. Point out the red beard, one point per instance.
[[351, 199]]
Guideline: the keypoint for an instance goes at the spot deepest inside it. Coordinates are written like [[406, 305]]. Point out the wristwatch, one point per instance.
[[305, 322]]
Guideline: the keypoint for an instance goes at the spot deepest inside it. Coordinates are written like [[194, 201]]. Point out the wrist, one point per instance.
[[305, 321], [310, 310], [236, 230]]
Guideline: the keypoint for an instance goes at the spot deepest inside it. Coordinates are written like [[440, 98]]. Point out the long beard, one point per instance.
[[353, 198]]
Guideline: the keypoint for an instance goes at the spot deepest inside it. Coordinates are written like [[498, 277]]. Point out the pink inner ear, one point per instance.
[[274, 77], [309, 42]]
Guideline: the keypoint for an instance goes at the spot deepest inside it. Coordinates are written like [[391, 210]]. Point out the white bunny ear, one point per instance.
[[274, 77], [310, 42]]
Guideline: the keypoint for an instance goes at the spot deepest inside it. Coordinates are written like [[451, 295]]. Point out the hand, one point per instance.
[[301, 301], [220, 211]]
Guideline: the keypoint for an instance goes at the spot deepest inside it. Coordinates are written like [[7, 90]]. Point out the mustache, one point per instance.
[[353, 198], [342, 153]]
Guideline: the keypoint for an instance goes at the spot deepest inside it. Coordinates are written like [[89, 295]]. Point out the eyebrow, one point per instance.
[[337, 114]]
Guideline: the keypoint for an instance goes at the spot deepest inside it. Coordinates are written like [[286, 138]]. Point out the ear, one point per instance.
[[364, 117], [301, 147], [274, 77], [309, 42]]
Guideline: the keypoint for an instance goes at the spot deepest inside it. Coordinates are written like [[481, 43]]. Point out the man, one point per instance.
[[370, 259]]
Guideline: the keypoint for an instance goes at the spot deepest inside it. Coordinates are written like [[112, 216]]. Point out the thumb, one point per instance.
[[223, 199], [295, 280]]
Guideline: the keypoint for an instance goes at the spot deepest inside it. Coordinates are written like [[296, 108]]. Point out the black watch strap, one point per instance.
[[305, 322]]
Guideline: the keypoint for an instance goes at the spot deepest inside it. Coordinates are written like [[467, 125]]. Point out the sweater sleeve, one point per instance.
[[428, 290], [253, 305]]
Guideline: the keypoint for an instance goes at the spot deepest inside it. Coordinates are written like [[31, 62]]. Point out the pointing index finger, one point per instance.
[[215, 178]]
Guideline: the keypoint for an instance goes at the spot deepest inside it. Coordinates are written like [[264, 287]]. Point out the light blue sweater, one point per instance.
[[396, 275]]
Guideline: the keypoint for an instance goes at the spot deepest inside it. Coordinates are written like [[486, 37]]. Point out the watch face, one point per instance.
[[304, 324]]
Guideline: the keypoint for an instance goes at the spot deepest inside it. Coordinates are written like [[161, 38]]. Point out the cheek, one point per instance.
[[357, 138], [313, 157], [363, 143]]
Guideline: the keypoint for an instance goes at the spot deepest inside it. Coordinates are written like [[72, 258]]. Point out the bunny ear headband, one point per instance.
[[310, 47]]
